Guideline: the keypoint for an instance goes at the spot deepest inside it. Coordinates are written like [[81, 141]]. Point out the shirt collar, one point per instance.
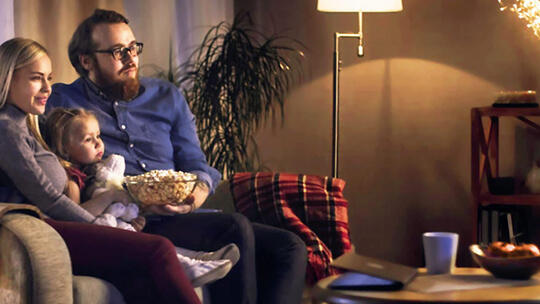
[[94, 90]]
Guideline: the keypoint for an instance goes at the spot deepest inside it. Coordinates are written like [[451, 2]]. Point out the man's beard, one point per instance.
[[118, 90]]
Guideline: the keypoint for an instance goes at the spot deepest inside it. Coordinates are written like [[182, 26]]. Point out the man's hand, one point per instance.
[[167, 209], [192, 202], [199, 195]]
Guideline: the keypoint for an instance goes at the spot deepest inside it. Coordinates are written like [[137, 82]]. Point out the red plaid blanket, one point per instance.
[[311, 206]]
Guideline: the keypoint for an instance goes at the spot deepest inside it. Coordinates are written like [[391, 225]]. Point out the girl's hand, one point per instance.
[[117, 195], [100, 202]]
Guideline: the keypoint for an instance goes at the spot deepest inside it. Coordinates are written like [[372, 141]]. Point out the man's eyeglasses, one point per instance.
[[120, 52]]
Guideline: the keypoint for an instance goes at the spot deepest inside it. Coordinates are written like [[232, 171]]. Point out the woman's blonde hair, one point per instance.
[[15, 54], [61, 126]]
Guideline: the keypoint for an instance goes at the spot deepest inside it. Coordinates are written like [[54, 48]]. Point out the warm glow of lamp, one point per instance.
[[358, 6]]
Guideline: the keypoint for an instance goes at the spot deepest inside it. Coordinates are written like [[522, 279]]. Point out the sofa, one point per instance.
[[35, 266]]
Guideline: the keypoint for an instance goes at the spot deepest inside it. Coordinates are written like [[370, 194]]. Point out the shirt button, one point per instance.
[[143, 165], [123, 127], [116, 103], [131, 145]]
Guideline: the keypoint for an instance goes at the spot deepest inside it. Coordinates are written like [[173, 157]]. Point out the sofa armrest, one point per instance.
[[36, 267], [221, 199]]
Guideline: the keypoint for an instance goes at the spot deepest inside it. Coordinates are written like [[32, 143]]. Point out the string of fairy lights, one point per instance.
[[529, 10]]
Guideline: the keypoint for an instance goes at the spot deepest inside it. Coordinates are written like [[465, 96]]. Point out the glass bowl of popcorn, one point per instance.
[[160, 187]]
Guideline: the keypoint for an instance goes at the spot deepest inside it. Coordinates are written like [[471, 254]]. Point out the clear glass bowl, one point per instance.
[[159, 190]]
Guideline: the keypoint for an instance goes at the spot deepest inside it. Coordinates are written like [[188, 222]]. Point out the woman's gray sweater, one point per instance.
[[33, 171]]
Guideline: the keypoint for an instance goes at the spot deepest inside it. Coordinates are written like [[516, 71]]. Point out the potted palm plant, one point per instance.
[[234, 82]]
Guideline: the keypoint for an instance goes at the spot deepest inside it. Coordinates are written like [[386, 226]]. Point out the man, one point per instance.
[[149, 122]]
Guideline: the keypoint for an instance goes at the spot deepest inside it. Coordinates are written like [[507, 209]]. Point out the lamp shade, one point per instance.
[[357, 5]]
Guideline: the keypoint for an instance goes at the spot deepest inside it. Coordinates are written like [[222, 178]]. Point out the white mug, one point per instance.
[[440, 250]]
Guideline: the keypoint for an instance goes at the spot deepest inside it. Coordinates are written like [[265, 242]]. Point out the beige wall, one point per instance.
[[155, 23], [52, 22], [405, 122], [405, 112]]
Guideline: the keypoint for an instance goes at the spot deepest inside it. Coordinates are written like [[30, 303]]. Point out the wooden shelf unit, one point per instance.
[[485, 160]]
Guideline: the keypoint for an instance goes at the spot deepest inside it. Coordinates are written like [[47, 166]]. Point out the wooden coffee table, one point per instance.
[[499, 294]]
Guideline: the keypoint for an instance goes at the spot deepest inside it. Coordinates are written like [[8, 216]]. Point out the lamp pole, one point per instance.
[[359, 6], [335, 103]]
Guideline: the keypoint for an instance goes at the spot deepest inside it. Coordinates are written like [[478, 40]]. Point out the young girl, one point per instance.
[[143, 267], [74, 136]]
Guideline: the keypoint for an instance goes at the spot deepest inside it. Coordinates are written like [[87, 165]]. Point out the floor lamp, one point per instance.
[[357, 6]]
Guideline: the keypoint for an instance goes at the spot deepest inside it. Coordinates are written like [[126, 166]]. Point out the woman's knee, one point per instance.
[[161, 245]]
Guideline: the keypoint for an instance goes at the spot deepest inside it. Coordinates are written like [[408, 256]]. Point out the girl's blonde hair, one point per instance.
[[15, 54], [61, 126]]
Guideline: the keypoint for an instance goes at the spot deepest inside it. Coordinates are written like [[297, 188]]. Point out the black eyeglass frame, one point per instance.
[[123, 51]]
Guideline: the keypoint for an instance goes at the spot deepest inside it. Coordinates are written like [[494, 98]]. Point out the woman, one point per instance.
[[143, 267]]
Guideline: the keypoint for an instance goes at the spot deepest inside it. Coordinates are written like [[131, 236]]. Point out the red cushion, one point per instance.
[[311, 206]]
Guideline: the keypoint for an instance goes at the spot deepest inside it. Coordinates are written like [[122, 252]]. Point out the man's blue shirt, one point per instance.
[[154, 131]]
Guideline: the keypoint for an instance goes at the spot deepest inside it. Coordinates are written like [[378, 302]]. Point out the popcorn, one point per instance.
[[159, 187]]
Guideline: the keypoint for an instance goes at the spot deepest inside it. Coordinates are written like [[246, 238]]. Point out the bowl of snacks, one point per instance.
[[160, 187], [506, 260]]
